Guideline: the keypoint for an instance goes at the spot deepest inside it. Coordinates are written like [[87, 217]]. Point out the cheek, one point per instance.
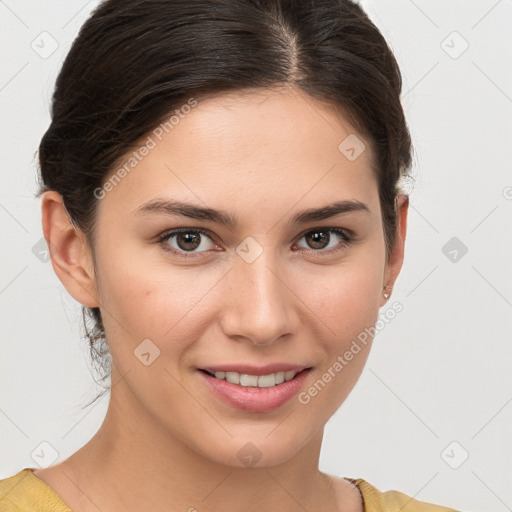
[[344, 346], [155, 301], [345, 302], [344, 297]]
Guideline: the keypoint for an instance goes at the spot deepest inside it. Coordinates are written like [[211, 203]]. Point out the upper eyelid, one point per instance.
[[327, 228], [206, 231]]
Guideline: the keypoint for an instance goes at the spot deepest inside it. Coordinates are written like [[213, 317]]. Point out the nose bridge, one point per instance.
[[259, 304]]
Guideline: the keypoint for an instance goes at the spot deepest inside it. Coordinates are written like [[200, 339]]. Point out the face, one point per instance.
[[272, 286]]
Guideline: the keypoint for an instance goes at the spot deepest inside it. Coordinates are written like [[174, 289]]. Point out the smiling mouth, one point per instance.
[[261, 381]]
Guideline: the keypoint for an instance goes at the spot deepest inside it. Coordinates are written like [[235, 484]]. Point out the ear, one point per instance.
[[396, 257], [69, 252]]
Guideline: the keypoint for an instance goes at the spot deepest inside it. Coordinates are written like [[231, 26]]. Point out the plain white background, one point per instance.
[[431, 415]]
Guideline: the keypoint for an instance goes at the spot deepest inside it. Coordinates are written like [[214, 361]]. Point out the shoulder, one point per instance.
[[392, 501], [24, 492]]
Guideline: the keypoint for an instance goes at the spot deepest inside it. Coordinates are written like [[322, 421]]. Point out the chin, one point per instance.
[[263, 450]]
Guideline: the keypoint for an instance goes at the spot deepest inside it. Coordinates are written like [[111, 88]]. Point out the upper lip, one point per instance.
[[256, 370]]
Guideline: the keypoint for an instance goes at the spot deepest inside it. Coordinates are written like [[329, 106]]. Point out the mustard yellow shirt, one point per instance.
[[25, 492]]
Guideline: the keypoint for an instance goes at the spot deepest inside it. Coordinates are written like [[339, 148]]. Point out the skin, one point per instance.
[[263, 156]]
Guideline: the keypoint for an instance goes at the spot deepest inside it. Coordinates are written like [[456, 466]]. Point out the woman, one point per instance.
[[221, 191]]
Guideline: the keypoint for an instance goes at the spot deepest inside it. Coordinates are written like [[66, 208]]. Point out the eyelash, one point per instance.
[[346, 236]]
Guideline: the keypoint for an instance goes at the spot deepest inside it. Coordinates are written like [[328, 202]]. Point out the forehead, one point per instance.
[[264, 144], [285, 119]]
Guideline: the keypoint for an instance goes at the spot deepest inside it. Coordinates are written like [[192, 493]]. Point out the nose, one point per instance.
[[260, 305]]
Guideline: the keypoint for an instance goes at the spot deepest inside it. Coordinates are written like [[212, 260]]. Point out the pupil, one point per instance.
[[188, 238], [319, 241]]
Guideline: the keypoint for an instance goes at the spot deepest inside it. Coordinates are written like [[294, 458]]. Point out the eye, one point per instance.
[[320, 238], [186, 240]]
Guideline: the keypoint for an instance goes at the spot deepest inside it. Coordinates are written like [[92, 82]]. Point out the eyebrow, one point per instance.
[[191, 211]]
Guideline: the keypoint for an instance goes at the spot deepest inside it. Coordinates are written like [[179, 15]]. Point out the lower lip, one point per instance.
[[255, 399]]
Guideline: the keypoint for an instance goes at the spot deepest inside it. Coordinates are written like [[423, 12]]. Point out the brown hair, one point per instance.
[[134, 62]]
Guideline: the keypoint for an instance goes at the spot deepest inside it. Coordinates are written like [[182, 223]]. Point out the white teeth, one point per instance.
[[233, 377], [248, 380], [261, 381], [289, 375], [267, 381], [279, 377]]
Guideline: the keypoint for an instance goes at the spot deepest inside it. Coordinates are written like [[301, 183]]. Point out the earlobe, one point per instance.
[[70, 255], [396, 258]]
